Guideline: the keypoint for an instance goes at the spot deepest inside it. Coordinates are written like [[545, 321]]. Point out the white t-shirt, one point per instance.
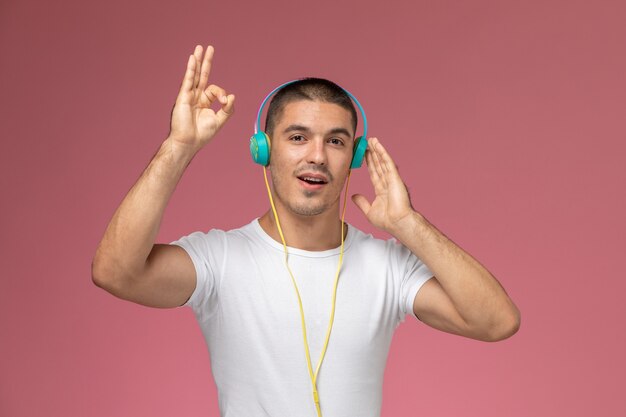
[[248, 311]]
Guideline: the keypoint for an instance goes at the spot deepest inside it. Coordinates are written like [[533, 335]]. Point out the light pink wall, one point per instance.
[[507, 120]]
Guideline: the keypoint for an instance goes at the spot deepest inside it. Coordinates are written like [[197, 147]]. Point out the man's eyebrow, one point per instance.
[[306, 129], [340, 130], [299, 128]]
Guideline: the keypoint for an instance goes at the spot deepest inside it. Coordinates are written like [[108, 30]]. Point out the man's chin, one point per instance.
[[308, 210], [310, 194]]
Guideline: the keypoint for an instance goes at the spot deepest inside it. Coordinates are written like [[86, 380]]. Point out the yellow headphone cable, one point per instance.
[[312, 375]]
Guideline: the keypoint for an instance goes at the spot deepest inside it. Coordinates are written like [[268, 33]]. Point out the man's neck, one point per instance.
[[312, 233]]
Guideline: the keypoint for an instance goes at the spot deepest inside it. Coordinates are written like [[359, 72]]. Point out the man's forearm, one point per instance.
[[132, 231], [476, 294]]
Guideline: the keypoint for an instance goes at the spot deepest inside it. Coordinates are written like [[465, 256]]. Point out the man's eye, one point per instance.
[[335, 141], [297, 138]]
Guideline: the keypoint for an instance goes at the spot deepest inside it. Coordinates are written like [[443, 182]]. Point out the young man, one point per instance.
[[268, 321]]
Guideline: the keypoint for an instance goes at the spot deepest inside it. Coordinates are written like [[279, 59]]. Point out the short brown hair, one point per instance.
[[308, 89]]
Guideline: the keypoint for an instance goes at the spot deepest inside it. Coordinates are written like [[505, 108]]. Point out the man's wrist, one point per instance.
[[409, 226], [178, 152]]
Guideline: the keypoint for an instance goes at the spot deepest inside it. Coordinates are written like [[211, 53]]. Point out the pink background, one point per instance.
[[507, 120]]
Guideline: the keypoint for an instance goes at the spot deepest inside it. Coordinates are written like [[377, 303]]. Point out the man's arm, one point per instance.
[[128, 263], [464, 298]]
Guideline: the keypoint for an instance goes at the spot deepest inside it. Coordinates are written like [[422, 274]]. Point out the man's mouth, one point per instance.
[[312, 180]]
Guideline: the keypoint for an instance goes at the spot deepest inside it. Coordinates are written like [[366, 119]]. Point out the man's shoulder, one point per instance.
[[245, 232], [363, 239]]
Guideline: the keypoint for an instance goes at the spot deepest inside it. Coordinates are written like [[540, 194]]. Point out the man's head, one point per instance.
[[312, 129]]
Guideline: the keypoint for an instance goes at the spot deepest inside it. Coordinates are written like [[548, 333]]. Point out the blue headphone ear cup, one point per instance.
[[260, 148], [360, 147]]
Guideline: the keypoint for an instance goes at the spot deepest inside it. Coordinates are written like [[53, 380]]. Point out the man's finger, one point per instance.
[[205, 70], [197, 53], [376, 162], [227, 109], [362, 203], [386, 159], [374, 175], [187, 84], [374, 146], [214, 92]]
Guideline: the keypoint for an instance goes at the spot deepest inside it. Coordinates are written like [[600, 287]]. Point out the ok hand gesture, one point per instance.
[[193, 122], [392, 205]]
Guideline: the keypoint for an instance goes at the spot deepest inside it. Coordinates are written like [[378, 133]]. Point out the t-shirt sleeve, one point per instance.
[[206, 251], [414, 274]]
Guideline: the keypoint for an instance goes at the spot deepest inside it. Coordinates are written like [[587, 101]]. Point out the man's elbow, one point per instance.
[[100, 273], [104, 275], [508, 324]]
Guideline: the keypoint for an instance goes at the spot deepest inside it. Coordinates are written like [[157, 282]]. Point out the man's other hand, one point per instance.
[[391, 204], [194, 123]]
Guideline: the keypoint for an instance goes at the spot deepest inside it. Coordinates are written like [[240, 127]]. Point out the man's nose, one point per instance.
[[317, 152]]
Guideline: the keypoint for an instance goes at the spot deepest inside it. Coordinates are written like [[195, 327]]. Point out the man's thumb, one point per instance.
[[361, 202]]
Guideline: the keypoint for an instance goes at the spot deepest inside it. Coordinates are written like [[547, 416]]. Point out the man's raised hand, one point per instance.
[[392, 204], [193, 122]]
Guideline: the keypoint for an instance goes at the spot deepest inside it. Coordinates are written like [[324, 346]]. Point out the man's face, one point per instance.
[[311, 151]]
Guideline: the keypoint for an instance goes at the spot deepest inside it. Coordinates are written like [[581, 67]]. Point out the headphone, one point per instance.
[[260, 141]]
